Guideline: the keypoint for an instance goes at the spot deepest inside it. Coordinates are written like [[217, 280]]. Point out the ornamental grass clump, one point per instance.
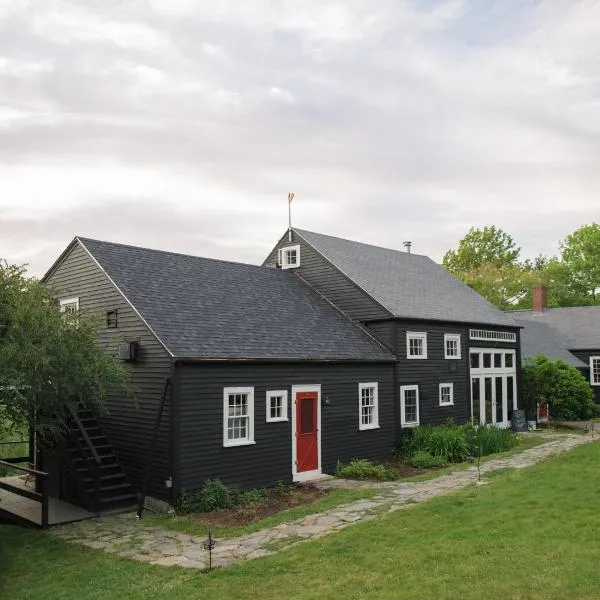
[[489, 439], [446, 441]]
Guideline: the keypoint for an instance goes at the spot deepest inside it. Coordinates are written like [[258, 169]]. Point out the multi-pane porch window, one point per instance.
[[368, 407], [238, 416]]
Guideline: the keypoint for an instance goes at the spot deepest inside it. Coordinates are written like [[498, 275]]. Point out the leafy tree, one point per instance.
[[580, 253], [561, 386], [48, 360], [490, 246], [488, 260]]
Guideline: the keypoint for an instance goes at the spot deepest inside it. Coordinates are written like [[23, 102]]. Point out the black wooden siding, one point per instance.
[[330, 282], [429, 373], [199, 436], [584, 355], [129, 422]]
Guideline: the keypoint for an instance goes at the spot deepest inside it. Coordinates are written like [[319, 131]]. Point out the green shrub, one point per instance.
[[446, 440], [213, 495], [361, 468], [248, 497], [426, 460], [561, 386], [489, 438]]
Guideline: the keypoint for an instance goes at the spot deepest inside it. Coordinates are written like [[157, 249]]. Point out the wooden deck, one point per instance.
[[29, 511]]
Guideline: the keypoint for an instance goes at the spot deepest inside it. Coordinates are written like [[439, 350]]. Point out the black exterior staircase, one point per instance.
[[100, 480]]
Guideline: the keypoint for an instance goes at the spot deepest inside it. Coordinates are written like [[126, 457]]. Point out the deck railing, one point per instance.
[[41, 496]]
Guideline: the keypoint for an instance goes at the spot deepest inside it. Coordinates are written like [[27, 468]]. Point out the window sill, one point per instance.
[[452, 357], [446, 404], [277, 420], [367, 427], [406, 425], [416, 358], [238, 443]]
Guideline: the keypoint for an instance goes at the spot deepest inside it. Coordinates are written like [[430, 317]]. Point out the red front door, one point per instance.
[[307, 433]]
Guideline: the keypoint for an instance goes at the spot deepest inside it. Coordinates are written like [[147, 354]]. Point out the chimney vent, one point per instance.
[[407, 245], [540, 298]]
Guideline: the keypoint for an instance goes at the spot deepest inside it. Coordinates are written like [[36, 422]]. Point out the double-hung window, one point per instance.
[[595, 370], [446, 394], [368, 405], [452, 345], [416, 345], [238, 416], [409, 405], [277, 404]]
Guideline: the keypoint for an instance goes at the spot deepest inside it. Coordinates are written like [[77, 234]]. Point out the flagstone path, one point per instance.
[[124, 536]]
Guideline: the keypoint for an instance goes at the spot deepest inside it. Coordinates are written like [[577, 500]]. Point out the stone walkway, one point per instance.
[[124, 536]]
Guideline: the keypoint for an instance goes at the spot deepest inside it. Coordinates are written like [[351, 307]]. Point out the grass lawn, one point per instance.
[[531, 534], [194, 525]]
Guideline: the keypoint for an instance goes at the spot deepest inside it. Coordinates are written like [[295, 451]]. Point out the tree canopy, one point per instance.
[[489, 260], [48, 360]]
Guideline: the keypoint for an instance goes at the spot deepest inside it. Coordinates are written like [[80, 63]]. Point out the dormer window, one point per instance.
[[289, 257]]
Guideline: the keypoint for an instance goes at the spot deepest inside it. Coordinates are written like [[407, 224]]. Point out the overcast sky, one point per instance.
[[183, 124]]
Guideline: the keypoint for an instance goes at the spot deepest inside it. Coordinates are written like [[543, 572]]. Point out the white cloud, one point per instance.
[[391, 120]]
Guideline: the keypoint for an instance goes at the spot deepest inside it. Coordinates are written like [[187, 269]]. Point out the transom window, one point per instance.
[[416, 344], [368, 405], [289, 257], [238, 416], [409, 405], [446, 394], [277, 404], [488, 335], [595, 370], [69, 306], [452, 345]]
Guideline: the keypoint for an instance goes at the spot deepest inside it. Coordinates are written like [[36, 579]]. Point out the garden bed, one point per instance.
[[274, 502]]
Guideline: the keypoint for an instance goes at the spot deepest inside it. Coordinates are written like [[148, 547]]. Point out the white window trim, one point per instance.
[[282, 257], [592, 359], [451, 386], [284, 406], [66, 301], [452, 337], [416, 335], [238, 390], [403, 422], [489, 335], [375, 423]]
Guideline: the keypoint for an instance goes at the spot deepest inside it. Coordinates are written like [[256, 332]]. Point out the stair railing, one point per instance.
[[92, 464]]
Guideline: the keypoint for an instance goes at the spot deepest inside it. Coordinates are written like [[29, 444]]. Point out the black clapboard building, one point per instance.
[[327, 352]]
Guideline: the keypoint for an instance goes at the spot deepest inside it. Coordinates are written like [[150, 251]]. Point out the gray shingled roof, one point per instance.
[[408, 285], [578, 326], [204, 308], [541, 338]]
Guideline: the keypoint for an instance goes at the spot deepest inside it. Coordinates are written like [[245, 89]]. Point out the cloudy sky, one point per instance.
[[183, 124]]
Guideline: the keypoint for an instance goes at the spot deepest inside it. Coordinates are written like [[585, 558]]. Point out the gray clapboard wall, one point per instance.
[[130, 420]]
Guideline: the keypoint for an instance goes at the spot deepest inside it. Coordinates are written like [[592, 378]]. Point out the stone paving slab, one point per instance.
[[124, 536]]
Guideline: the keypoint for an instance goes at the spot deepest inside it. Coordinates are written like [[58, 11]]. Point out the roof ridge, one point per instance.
[[171, 253], [335, 237]]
